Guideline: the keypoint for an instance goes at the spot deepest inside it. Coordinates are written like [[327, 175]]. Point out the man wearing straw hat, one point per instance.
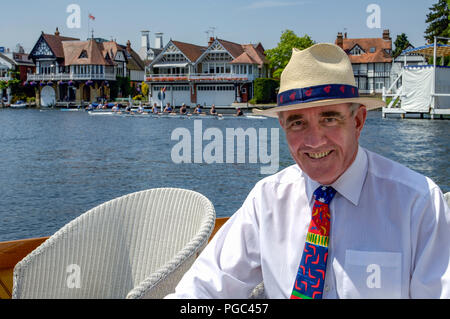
[[343, 222]]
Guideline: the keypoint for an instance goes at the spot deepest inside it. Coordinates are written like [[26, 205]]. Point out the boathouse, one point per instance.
[[220, 73], [16, 61], [72, 71]]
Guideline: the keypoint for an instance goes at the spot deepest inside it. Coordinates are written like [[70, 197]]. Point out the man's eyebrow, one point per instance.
[[332, 114], [293, 117]]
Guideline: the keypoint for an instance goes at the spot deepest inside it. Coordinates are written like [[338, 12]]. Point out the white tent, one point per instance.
[[418, 87], [425, 88]]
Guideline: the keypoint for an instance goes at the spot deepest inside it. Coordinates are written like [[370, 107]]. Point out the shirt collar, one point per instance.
[[350, 183]]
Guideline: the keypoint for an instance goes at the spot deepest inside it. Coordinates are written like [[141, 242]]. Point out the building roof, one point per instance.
[[383, 49], [234, 49], [240, 53], [96, 53], [428, 50], [55, 43], [134, 60], [22, 59], [93, 53], [245, 53], [191, 51]]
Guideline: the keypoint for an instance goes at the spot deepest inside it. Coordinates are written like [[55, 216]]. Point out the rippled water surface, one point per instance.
[[56, 165]]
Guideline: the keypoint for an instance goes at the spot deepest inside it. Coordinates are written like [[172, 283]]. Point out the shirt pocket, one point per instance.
[[372, 274]]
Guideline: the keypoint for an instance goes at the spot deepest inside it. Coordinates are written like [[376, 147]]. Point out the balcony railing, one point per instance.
[[371, 73], [70, 76], [5, 78], [226, 77]]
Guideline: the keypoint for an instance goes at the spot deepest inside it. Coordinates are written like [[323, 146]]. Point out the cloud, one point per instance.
[[273, 4]]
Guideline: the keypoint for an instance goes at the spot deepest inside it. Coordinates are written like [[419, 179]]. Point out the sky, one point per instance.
[[192, 21]]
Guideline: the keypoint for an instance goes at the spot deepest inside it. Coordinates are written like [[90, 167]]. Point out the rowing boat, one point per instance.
[[11, 252], [173, 115]]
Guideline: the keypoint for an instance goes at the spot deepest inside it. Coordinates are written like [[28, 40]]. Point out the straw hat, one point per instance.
[[319, 75]]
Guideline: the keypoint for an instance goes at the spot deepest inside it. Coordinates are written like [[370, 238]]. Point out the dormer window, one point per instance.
[[357, 50], [372, 50], [83, 55]]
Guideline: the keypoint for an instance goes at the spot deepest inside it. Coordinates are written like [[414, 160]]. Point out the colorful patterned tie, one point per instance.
[[311, 272]]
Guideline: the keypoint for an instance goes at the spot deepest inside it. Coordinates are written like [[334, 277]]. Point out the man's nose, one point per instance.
[[314, 136]]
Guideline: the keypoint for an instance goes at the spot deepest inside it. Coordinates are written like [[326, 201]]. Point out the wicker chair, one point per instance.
[[135, 246]]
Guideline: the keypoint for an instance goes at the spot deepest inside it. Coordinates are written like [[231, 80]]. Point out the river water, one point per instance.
[[56, 165]]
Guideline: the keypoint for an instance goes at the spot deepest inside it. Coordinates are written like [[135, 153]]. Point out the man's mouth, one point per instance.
[[318, 155]]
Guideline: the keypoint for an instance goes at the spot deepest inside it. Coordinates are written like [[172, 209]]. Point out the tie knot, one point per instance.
[[324, 194]]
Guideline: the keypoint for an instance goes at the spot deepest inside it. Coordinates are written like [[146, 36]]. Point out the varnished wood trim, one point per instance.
[[11, 252]]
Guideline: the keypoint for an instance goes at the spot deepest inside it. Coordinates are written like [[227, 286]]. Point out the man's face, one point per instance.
[[323, 140]]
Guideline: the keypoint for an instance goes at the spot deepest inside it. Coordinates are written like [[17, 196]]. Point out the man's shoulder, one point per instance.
[[391, 172]]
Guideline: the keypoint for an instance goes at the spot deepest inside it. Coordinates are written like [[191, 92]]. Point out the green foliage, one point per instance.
[[401, 43], [138, 97], [438, 21], [121, 87], [265, 91], [31, 100], [144, 89], [280, 55]]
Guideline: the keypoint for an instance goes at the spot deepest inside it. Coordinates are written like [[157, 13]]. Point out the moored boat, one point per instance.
[[19, 105]]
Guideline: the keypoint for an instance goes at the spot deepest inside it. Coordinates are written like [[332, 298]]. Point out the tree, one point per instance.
[[401, 43], [280, 55], [438, 21], [144, 89]]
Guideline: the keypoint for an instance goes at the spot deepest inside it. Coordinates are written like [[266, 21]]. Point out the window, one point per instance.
[[357, 50], [83, 55], [372, 49]]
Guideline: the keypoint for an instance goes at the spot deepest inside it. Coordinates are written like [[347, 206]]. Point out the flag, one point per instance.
[[91, 16]]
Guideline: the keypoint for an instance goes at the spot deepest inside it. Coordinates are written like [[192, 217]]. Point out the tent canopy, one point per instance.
[[428, 50]]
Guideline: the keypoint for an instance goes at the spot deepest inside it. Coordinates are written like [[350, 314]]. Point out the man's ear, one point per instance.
[[281, 119], [360, 119]]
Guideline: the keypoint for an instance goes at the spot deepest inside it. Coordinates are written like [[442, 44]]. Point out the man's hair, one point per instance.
[[354, 107]]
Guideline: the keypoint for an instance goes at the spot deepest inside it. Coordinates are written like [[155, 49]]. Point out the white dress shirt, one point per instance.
[[389, 237]]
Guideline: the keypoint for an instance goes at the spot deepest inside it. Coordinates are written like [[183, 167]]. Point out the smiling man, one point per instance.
[[343, 222]]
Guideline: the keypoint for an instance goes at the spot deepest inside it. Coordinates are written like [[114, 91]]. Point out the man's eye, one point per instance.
[[330, 120], [295, 124]]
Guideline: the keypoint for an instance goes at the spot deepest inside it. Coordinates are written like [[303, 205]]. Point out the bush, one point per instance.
[[265, 90], [253, 101]]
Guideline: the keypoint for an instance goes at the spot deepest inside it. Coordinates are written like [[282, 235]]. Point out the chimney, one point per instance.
[[57, 32], [129, 46], [145, 42], [345, 35], [386, 35], [158, 40], [211, 40], [340, 40]]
